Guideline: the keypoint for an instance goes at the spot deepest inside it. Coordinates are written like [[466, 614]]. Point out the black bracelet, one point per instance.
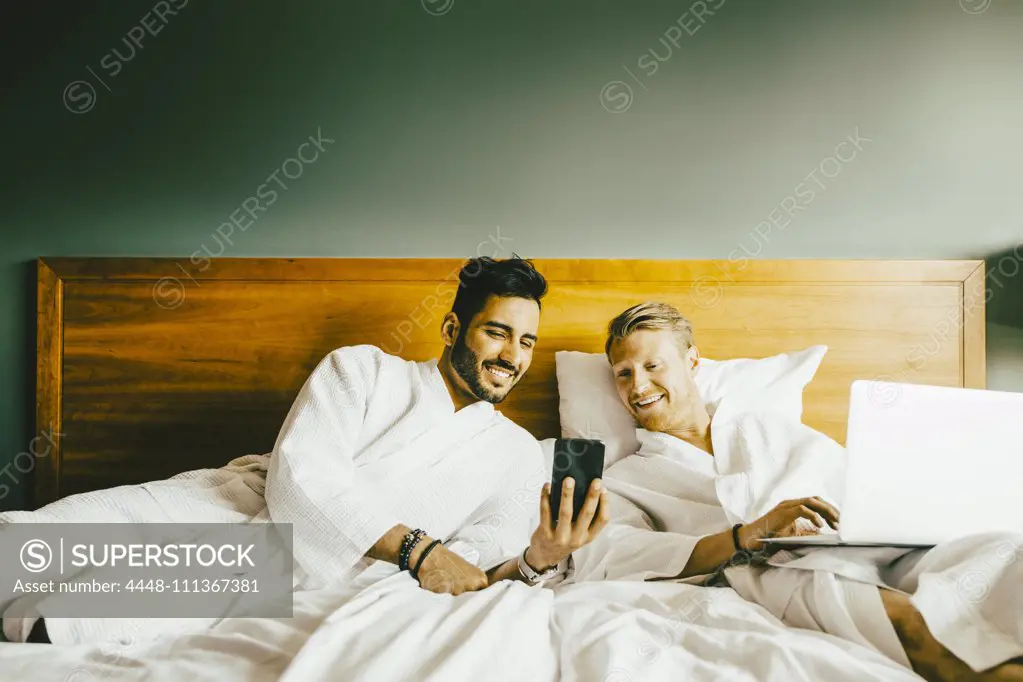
[[422, 558], [735, 538], [408, 544]]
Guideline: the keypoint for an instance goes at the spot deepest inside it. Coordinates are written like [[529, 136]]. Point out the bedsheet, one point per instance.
[[616, 631], [383, 626]]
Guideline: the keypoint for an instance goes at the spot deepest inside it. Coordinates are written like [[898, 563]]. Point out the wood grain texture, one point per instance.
[[49, 380], [571, 270], [974, 336], [166, 369]]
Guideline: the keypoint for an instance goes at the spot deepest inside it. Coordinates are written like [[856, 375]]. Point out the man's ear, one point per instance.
[[693, 358], [449, 328]]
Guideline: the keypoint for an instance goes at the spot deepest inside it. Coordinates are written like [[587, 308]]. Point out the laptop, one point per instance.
[[927, 464]]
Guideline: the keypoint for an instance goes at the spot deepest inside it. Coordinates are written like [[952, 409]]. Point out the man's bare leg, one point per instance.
[[930, 659]]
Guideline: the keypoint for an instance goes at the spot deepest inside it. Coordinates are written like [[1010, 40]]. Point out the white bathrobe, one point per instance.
[[670, 494], [373, 441]]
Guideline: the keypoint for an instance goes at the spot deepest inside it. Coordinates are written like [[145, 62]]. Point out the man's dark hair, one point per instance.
[[483, 277]]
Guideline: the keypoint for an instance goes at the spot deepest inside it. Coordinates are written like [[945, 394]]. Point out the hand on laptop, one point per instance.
[[784, 521]]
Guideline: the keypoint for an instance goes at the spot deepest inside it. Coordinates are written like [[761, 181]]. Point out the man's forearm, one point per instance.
[[388, 547], [710, 552], [509, 570]]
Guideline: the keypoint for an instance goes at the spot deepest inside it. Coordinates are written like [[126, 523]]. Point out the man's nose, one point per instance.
[[640, 382], [510, 354]]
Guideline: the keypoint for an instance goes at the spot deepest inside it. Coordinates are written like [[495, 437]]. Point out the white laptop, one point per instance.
[[928, 464]]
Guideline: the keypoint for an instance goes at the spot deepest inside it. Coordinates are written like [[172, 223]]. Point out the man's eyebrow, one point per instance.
[[507, 328]]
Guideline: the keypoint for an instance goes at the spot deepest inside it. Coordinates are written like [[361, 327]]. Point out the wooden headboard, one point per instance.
[[150, 367]]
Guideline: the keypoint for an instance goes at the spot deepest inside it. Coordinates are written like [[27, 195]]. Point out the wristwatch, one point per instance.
[[533, 577]]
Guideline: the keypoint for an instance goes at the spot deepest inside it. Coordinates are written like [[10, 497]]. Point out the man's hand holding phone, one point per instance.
[[556, 539]]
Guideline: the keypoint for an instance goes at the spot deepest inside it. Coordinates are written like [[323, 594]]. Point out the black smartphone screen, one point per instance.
[[583, 460]]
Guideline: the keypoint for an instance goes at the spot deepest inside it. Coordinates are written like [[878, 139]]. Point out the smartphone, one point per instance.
[[583, 460]]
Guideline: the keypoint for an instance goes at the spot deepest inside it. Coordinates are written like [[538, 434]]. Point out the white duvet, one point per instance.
[[384, 627]]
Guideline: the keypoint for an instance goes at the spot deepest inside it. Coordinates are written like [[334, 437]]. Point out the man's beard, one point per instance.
[[670, 417], [466, 364], [659, 423]]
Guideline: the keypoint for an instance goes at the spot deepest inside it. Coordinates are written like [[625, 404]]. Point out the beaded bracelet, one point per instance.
[[408, 544]]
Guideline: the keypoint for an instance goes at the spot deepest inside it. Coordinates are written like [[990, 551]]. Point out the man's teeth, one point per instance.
[[499, 372], [646, 401]]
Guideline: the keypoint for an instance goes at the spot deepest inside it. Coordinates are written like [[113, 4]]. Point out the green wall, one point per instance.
[[450, 120]]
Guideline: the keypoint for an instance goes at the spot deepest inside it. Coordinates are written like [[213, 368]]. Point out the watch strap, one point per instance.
[[531, 575]]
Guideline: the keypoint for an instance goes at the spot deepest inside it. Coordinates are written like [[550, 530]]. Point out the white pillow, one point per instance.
[[590, 408]]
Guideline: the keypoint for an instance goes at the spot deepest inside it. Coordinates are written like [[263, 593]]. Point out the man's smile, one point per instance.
[[498, 372], [647, 401]]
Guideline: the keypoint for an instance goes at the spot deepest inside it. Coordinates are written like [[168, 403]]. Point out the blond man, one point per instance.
[[704, 487]]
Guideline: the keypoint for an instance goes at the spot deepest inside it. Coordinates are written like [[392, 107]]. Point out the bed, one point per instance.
[[150, 367]]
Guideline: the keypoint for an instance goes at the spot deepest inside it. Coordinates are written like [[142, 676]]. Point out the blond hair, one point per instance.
[[650, 315]]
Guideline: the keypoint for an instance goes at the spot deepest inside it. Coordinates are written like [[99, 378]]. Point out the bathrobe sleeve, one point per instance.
[[630, 549], [312, 482], [504, 525]]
